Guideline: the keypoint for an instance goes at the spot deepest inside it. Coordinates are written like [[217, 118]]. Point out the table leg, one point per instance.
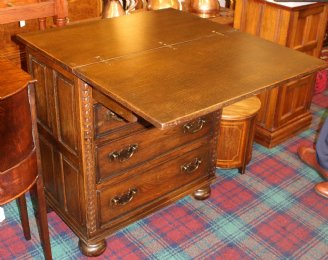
[[24, 216]]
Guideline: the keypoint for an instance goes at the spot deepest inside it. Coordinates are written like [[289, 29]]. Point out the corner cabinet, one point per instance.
[[285, 110]]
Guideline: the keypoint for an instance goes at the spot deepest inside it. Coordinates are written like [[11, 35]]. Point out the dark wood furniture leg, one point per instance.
[[24, 216], [42, 217]]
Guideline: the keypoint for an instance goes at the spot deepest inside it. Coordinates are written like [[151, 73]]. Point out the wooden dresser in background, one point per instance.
[[285, 110]]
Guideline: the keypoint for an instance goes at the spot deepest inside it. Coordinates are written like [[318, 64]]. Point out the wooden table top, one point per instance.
[[169, 66]]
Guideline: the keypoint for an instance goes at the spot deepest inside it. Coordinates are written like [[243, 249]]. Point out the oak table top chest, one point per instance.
[[128, 111]]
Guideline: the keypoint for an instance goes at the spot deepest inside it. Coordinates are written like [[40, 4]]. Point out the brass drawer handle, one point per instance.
[[192, 166], [123, 154], [194, 126], [124, 198], [112, 116]]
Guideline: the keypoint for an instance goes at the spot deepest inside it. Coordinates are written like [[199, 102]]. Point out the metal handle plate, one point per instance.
[[194, 126], [112, 116], [124, 198], [192, 166], [123, 154]]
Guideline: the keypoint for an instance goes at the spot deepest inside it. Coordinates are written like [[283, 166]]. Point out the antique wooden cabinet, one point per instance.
[[128, 111], [285, 110]]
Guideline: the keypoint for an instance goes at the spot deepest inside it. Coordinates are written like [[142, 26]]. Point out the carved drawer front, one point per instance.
[[117, 156], [122, 197], [106, 122]]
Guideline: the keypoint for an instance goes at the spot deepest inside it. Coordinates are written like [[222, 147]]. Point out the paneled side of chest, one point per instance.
[[58, 106], [105, 167]]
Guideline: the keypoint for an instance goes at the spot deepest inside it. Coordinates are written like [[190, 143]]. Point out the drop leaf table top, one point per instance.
[[169, 66]]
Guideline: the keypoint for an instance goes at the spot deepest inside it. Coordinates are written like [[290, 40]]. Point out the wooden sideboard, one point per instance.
[[285, 110], [128, 111]]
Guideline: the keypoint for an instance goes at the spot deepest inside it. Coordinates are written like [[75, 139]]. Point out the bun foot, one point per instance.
[[202, 193], [92, 249]]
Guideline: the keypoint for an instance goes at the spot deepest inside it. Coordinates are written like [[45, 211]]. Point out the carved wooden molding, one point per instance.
[[213, 143], [88, 155]]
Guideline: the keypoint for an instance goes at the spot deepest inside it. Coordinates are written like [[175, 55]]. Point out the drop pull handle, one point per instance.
[[112, 116], [192, 166], [125, 198], [194, 126], [123, 154]]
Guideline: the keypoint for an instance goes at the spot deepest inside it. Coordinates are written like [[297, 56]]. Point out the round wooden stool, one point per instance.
[[19, 148], [236, 135]]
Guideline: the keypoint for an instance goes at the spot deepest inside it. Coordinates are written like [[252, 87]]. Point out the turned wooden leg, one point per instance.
[[24, 216], [42, 217], [42, 23], [92, 249], [202, 193], [60, 21]]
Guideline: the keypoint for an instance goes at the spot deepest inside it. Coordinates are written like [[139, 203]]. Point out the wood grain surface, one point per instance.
[[242, 109], [169, 66], [9, 81]]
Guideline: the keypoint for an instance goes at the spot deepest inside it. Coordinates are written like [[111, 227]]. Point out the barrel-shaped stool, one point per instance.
[[236, 135], [19, 148]]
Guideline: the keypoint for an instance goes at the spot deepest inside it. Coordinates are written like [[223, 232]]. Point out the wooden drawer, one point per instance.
[[107, 123], [118, 156], [122, 197]]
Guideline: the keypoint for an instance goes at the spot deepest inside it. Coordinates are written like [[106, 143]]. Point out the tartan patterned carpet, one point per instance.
[[271, 212]]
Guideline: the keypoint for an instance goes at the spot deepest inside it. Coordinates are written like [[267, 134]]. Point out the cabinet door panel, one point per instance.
[[43, 94], [294, 99], [307, 30], [66, 111]]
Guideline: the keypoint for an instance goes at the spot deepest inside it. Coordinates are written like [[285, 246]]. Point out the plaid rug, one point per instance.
[[270, 212]]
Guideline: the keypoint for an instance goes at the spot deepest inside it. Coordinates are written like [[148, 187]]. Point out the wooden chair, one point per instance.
[[19, 148], [236, 134], [34, 13], [19, 10]]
